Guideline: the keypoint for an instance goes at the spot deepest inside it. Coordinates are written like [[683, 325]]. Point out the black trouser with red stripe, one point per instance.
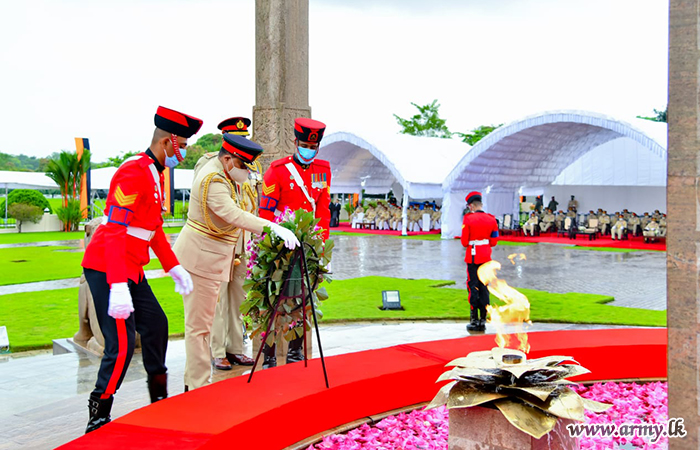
[[148, 319], [478, 292]]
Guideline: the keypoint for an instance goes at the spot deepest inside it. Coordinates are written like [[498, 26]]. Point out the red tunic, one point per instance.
[[134, 200], [280, 191], [479, 226]]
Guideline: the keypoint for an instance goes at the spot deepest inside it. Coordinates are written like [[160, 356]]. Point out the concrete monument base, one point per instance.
[[483, 428]]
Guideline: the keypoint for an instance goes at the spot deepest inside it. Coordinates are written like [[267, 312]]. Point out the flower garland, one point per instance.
[[269, 265]]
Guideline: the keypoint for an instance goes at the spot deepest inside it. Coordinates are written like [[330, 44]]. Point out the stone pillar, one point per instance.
[[282, 74], [683, 195]]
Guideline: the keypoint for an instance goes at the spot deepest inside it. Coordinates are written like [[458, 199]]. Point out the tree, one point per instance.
[[661, 116], [426, 123], [206, 144], [116, 161], [23, 212], [67, 171], [26, 196], [477, 134]]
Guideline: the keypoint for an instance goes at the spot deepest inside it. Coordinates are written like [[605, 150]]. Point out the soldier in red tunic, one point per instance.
[[298, 182], [114, 260], [479, 234]]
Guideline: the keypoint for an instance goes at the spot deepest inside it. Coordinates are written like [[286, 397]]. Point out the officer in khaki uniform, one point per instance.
[[208, 242], [633, 224], [227, 330], [547, 221], [619, 227], [435, 218], [651, 231], [603, 223]]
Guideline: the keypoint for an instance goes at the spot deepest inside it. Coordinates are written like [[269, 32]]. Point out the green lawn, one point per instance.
[[30, 264], [34, 319]]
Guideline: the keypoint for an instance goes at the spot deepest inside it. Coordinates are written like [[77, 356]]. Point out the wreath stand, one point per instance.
[[307, 291]]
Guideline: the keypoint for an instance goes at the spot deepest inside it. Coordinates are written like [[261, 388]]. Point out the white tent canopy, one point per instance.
[[533, 153], [418, 164], [25, 180]]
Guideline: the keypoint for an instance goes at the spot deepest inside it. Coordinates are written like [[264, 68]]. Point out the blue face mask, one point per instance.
[[306, 155], [172, 161]]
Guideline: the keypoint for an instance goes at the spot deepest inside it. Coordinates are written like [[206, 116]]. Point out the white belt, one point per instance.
[[479, 242], [140, 233]]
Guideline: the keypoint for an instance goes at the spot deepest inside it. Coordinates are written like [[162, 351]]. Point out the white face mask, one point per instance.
[[238, 175]]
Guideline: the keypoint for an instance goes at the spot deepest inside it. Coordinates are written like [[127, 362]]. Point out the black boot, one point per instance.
[[473, 327], [270, 357], [294, 352], [158, 387], [99, 409], [482, 320]]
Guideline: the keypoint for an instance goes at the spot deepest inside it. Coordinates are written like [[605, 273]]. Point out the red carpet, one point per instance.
[[636, 243], [290, 403], [345, 226]]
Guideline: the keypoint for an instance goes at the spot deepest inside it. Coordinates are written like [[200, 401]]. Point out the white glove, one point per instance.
[[328, 267], [183, 280], [120, 304], [289, 238]]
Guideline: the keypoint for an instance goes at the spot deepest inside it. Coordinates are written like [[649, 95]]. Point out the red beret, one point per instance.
[[309, 130], [473, 196], [176, 123]]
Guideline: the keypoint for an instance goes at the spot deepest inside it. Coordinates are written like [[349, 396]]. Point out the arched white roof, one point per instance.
[[533, 151], [25, 180], [419, 164]]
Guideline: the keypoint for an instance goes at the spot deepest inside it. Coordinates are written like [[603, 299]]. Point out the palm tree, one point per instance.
[[67, 172]]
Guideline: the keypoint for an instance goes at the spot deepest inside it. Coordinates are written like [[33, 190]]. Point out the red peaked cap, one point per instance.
[[309, 130], [235, 125], [474, 196], [177, 123], [247, 151]]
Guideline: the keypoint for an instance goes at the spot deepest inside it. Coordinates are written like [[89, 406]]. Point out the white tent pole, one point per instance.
[[6, 205], [404, 214]]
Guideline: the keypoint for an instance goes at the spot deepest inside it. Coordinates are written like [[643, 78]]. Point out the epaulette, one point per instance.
[[210, 155], [322, 163]]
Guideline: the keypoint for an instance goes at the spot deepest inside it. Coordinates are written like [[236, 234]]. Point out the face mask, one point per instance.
[[172, 161], [238, 175], [306, 155]]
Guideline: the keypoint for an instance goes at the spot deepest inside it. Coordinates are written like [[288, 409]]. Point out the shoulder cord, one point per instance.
[[230, 230]]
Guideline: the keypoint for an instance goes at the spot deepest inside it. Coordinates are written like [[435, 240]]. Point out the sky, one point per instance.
[[98, 69]]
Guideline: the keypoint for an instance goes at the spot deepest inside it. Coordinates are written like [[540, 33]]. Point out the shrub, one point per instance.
[[26, 196], [23, 212], [70, 215]]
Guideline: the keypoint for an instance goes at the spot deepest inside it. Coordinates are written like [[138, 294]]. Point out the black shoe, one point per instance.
[[270, 359], [99, 409], [158, 387], [482, 325], [295, 352]]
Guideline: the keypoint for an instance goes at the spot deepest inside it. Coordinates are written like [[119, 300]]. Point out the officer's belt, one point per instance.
[[202, 229], [140, 233], [479, 242]]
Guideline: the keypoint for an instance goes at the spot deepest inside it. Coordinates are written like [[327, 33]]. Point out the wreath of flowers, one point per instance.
[[270, 264]]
